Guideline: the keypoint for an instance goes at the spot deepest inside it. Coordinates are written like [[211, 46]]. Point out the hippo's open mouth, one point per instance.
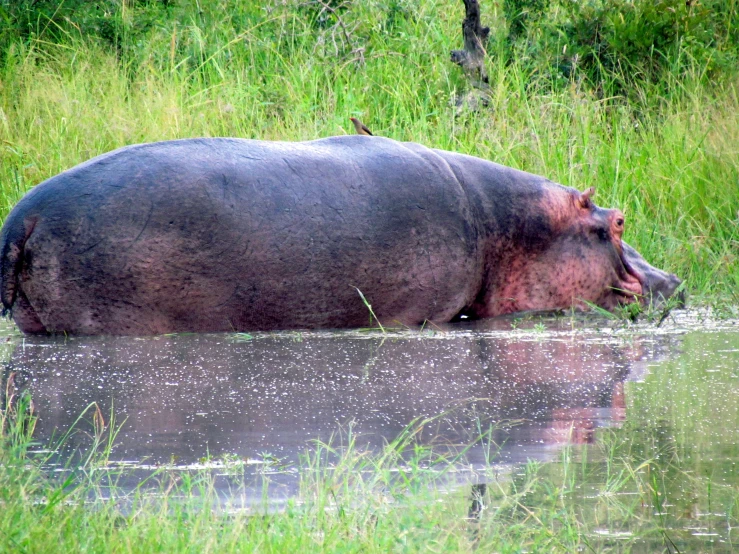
[[630, 284]]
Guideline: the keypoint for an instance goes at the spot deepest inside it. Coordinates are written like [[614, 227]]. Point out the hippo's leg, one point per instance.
[[26, 317]]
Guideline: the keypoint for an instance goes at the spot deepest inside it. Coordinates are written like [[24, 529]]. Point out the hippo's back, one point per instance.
[[230, 234]]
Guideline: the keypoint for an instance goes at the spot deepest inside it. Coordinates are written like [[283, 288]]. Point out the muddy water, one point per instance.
[[542, 383], [188, 396]]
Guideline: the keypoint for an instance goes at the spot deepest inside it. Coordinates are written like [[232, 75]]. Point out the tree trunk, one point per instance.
[[472, 58]]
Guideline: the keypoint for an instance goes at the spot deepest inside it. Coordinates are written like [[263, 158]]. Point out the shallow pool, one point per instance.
[[491, 394]]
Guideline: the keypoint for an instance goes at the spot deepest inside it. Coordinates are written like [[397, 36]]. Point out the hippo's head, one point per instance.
[[585, 263]]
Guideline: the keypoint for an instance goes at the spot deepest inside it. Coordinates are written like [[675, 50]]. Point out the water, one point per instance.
[[188, 396], [247, 401]]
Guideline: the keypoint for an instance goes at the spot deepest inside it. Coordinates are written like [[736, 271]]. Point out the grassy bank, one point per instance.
[[666, 155]]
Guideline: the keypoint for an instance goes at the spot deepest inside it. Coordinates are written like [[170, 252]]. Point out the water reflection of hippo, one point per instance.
[[188, 395], [228, 234]]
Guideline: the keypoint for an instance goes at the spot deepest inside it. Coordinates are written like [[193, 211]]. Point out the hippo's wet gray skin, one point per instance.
[[233, 235]]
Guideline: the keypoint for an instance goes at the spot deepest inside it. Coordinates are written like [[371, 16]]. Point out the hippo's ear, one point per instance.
[[584, 200]]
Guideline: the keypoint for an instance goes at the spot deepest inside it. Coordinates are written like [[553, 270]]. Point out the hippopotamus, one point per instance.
[[225, 234]]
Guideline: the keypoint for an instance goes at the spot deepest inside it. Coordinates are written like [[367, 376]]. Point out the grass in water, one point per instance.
[[406, 496], [370, 310]]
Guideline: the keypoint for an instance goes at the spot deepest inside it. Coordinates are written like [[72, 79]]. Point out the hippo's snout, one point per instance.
[[657, 285], [658, 288]]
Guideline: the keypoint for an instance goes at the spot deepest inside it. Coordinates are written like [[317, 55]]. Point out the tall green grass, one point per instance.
[[667, 155]]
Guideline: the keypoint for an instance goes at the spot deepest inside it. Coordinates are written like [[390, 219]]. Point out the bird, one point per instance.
[[360, 127]]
